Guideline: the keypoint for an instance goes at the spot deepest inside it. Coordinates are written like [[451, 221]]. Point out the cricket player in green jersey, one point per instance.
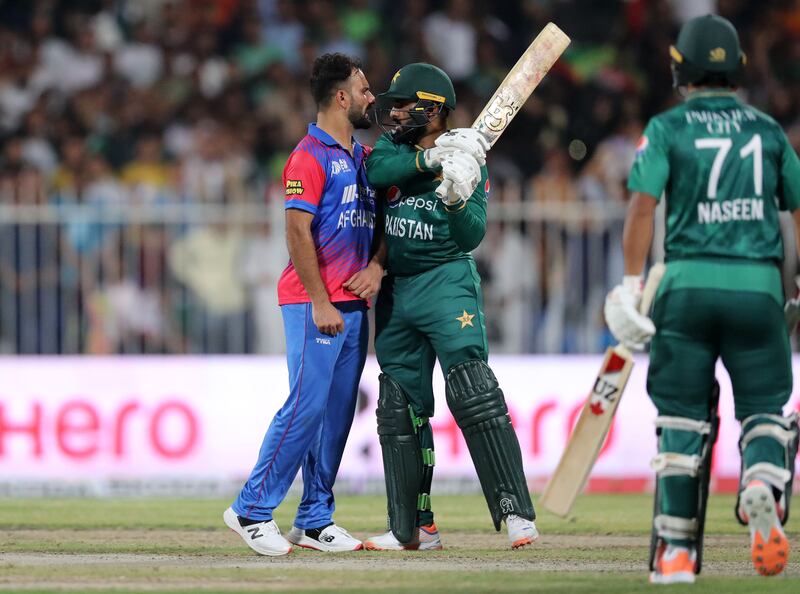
[[430, 307], [725, 169]]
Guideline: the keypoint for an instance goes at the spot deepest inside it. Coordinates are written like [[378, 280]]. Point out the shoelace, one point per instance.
[[339, 529]]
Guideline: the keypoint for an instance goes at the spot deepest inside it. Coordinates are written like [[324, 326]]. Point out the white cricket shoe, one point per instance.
[[674, 565], [521, 532], [331, 539], [768, 543], [264, 537], [427, 540]]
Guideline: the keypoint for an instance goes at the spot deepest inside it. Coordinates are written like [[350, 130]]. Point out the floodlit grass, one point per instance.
[[155, 545]]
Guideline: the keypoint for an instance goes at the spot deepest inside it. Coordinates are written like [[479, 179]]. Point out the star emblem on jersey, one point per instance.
[[466, 319]]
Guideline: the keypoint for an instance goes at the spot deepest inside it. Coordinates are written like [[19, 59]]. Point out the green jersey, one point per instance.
[[421, 232], [725, 169]]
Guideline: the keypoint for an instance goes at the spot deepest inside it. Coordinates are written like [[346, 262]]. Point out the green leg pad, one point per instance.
[[479, 408], [402, 461]]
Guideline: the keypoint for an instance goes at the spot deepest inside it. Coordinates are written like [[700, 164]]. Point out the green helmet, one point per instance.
[[707, 52], [426, 84]]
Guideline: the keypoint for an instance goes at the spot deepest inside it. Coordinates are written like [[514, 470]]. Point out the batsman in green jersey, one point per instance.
[[725, 170], [430, 307]]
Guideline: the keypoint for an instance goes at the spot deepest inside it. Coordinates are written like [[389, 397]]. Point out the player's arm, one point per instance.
[[304, 180], [637, 235], [788, 190], [467, 220], [387, 165], [367, 282]]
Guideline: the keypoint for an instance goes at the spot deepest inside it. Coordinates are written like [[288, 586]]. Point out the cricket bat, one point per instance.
[[592, 427], [517, 86]]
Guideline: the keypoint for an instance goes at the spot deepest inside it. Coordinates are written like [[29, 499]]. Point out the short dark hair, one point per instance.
[[328, 74]]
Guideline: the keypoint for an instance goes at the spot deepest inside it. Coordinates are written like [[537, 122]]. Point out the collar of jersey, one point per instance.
[[324, 137], [328, 140], [711, 93]]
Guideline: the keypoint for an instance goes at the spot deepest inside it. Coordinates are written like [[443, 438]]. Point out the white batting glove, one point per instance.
[[468, 140], [434, 155], [621, 309], [463, 173]]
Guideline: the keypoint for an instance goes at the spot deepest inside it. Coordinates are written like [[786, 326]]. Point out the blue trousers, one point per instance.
[[311, 428]]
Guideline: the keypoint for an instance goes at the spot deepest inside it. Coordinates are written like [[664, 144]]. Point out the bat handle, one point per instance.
[[443, 188]]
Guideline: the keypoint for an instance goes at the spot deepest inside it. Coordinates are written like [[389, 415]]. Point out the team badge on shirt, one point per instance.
[[642, 145]]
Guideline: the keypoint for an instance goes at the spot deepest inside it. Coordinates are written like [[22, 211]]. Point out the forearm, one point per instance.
[[303, 254], [386, 169], [467, 223], [638, 232]]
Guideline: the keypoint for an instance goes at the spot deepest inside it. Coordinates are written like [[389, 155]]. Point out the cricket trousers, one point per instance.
[[710, 310], [311, 428]]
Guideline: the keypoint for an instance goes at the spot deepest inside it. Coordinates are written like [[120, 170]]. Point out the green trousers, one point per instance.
[[695, 326], [434, 314]]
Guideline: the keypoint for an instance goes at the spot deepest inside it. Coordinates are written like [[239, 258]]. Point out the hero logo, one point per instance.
[[605, 389]]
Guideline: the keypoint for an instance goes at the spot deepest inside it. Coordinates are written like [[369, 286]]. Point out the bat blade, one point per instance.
[[596, 417], [520, 82], [517, 86], [590, 432]]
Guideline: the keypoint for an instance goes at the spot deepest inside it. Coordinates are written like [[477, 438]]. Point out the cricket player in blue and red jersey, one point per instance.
[[323, 292]]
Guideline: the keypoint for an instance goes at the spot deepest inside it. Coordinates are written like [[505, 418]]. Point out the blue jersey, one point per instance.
[[322, 178]]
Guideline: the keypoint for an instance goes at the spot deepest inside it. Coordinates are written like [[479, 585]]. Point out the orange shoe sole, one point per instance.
[[522, 542], [770, 557]]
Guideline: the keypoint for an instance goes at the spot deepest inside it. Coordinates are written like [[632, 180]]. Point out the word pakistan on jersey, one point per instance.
[[357, 217], [413, 229]]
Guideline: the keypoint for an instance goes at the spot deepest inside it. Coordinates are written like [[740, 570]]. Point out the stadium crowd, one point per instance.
[[121, 120]]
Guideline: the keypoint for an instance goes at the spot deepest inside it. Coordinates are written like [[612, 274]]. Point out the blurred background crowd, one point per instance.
[[142, 142]]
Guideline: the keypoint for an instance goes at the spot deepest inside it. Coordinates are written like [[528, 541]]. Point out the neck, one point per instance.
[[428, 140], [338, 127]]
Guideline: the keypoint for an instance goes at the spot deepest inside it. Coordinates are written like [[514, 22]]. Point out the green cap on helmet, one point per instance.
[[707, 50], [423, 82]]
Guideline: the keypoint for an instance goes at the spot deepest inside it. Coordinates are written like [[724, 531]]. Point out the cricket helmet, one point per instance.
[[426, 84], [707, 52]]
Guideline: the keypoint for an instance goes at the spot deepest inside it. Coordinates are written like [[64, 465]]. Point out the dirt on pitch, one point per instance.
[[218, 562]]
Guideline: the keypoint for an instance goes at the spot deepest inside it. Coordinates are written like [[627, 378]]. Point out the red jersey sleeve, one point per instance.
[[304, 181]]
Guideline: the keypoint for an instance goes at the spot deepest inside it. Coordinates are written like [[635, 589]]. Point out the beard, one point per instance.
[[359, 120]]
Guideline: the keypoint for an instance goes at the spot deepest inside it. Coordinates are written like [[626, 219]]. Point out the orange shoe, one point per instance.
[[674, 565], [768, 543]]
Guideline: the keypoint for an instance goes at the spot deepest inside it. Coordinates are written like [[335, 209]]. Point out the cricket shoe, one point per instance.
[[331, 539], [768, 543], [427, 540], [521, 532], [263, 537], [674, 565]]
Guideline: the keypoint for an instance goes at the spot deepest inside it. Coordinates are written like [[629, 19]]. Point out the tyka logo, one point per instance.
[[325, 341]]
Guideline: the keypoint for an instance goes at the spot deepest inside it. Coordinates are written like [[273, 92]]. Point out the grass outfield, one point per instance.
[[85, 545]]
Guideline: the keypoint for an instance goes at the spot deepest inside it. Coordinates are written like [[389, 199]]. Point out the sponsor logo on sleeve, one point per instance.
[[294, 187], [641, 146]]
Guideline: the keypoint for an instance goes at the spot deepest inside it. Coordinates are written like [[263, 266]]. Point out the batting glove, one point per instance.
[[468, 140], [621, 309], [463, 173], [434, 155]]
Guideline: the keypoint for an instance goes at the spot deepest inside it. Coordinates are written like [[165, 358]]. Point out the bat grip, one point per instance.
[[441, 191]]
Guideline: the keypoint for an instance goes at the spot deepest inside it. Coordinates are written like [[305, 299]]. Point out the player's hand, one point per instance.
[[468, 140], [327, 318], [366, 282], [434, 155], [462, 173], [621, 309]]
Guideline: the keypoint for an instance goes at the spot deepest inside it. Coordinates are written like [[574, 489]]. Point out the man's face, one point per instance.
[[361, 98], [399, 113]]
